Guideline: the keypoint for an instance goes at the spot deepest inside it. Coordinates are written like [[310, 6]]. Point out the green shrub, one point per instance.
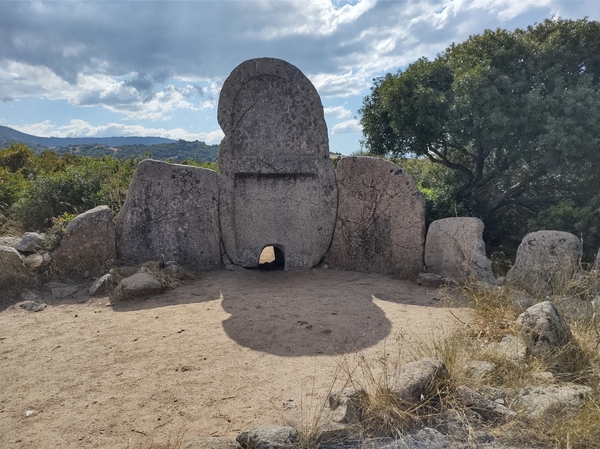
[[54, 235]]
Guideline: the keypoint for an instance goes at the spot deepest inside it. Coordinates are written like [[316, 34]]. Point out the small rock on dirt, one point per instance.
[[140, 284], [430, 280], [32, 306], [103, 285], [268, 437]]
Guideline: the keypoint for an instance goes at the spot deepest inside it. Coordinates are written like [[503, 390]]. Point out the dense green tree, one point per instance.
[[513, 114]]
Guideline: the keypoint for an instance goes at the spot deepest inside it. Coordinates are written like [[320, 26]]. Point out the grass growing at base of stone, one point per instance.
[[478, 339], [577, 362]]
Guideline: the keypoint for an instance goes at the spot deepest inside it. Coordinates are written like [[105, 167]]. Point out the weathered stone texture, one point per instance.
[[455, 250], [277, 181], [380, 225], [420, 379], [543, 328], [268, 437], [89, 242], [171, 213], [12, 268], [30, 242], [545, 260], [552, 401], [140, 284]]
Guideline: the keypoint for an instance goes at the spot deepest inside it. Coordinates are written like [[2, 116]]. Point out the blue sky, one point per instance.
[[155, 68]]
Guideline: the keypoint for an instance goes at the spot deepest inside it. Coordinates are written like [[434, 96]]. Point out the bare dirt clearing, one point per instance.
[[211, 358]]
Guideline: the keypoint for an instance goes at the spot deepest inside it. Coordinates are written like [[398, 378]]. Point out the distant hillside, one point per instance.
[[156, 147], [177, 151], [9, 135]]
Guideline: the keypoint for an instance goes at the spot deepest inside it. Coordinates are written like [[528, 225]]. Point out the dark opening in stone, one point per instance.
[[271, 259]]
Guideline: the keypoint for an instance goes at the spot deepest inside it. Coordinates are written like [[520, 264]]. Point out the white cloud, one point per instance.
[[349, 126], [337, 111], [311, 17], [344, 85], [508, 9], [81, 128]]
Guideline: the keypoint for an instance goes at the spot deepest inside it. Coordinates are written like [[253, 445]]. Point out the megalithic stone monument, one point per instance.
[[277, 183]]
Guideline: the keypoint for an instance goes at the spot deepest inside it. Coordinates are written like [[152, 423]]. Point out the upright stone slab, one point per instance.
[[455, 250], [171, 213], [380, 225], [545, 260], [277, 181]]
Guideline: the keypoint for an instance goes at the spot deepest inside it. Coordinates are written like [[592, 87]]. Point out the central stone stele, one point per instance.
[[277, 180]]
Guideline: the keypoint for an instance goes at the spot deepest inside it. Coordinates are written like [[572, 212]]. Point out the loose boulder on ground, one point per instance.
[[171, 212], [545, 261], [32, 306], [552, 401], [13, 272], [380, 225], [89, 242], [347, 405], [454, 249], [420, 379], [140, 284], [268, 437], [30, 242], [543, 329], [103, 285]]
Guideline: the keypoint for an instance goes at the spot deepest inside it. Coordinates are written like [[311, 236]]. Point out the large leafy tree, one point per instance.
[[515, 115]]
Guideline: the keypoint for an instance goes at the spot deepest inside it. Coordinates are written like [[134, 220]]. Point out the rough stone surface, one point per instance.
[[347, 406], [479, 369], [171, 213], [277, 180], [268, 437], [545, 259], [211, 443], [30, 242], [511, 348], [33, 261], [552, 400], [9, 241], [140, 284], [487, 409], [175, 270], [575, 309], [543, 329], [426, 438], [419, 379], [103, 285], [455, 250], [89, 242], [380, 225], [12, 268], [32, 306], [430, 280]]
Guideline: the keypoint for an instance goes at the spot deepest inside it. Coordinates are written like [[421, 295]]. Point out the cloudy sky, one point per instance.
[[155, 68]]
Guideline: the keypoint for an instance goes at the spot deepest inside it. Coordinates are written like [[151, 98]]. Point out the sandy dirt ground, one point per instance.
[[217, 355]]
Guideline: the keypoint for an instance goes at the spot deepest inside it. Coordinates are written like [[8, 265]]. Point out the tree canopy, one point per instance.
[[512, 114]]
